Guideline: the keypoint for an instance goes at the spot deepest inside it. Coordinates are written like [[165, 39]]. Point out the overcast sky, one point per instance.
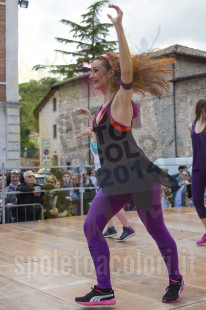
[[148, 24]]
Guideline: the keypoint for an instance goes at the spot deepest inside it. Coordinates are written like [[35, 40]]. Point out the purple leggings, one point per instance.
[[198, 191], [102, 209]]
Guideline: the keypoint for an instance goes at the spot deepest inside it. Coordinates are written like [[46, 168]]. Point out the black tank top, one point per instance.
[[124, 166]]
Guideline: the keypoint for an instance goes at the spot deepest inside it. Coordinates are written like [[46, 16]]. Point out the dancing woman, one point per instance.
[[126, 174], [198, 135]]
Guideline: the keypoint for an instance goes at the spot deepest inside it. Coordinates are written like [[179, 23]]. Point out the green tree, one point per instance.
[[89, 41], [31, 94]]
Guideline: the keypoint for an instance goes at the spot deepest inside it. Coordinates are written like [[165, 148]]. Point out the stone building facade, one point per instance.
[[161, 129], [9, 91]]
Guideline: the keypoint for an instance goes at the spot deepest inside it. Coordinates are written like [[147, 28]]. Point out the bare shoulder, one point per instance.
[[190, 126]]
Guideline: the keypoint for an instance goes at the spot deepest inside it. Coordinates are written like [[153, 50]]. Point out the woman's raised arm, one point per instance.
[[121, 109], [124, 53]]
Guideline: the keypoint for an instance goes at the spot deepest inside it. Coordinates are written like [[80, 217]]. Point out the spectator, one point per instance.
[[30, 195], [93, 173], [5, 181], [74, 197], [89, 191], [1, 195], [165, 193], [54, 201], [185, 187], [66, 176], [57, 172], [14, 178], [178, 177], [58, 184], [92, 177], [179, 174]]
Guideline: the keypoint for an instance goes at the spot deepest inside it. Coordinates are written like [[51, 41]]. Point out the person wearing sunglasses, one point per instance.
[[31, 194], [184, 190]]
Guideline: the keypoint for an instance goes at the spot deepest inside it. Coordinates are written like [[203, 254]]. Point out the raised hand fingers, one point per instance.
[[86, 132], [119, 14]]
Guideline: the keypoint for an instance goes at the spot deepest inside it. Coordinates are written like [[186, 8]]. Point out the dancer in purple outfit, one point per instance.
[[198, 135], [126, 174]]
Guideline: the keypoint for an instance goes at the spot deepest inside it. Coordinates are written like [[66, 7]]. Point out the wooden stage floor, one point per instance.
[[45, 265]]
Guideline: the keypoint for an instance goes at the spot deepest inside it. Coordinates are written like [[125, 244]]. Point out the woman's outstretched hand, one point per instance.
[[118, 19], [86, 111], [87, 132], [83, 111]]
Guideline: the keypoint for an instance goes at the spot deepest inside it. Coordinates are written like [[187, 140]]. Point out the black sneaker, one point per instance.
[[173, 291], [97, 297], [110, 232], [127, 233]]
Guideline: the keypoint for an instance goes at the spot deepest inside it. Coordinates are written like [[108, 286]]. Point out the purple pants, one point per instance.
[[198, 191], [102, 209]]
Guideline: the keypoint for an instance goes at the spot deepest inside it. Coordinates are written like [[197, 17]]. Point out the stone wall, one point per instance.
[[187, 65]]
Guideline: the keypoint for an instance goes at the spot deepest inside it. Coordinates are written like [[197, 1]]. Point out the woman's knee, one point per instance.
[[92, 230], [87, 227]]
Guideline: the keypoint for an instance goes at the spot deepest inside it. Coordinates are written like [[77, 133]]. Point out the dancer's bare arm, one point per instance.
[[121, 106], [88, 131], [86, 111]]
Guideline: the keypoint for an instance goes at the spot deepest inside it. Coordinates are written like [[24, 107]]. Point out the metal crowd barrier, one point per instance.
[[25, 213]]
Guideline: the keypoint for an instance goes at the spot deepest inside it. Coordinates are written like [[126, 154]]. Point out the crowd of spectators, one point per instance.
[[60, 195], [181, 197], [26, 200]]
